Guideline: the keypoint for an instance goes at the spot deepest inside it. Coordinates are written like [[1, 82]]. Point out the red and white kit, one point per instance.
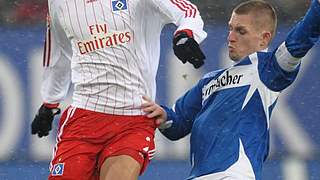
[[113, 54], [109, 50]]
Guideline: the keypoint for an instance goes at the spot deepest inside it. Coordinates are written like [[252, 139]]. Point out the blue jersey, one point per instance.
[[228, 111]]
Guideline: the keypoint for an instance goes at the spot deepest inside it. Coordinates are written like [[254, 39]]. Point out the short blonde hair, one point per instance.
[[264, 12]]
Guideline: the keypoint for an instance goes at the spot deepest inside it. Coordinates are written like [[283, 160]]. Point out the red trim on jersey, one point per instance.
[[49, 105], [188, 31], [44, 52], [188, 8], [49, 48], [45, 43], [193, 10], [180, 7]]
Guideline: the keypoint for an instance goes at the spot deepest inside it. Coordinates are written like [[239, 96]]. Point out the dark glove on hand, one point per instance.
[[42, 123], [187, 49]]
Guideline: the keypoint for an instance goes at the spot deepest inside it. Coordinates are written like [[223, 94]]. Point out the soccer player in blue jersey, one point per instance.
[[228, 111]]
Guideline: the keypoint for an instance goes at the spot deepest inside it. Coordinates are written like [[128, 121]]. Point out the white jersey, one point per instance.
[[110, 50]]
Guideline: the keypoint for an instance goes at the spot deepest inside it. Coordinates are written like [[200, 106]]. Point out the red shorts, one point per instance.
[[86, 138]]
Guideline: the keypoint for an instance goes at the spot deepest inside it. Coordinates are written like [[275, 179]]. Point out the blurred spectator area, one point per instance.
[[219, 11], [23, 12], [32, 12]]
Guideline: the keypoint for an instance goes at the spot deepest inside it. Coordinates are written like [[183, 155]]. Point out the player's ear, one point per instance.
[[266, 38]]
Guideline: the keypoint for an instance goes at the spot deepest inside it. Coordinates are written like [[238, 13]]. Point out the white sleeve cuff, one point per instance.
[[286, 61]]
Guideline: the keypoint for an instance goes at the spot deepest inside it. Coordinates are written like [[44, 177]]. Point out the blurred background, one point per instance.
[[295, 123]]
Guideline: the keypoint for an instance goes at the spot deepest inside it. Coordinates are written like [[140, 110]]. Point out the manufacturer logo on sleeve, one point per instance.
[[58, 169], [119, 5]]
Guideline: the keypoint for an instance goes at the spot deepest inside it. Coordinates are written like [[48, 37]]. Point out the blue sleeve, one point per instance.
[[183, 114], [272, 75], [278, 69], [306, 33]]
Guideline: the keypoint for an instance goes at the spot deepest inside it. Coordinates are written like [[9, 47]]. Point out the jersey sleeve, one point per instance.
[[272, 74], [183, 14], [180, 118], [56, 62], [279, 68], [305, 33]]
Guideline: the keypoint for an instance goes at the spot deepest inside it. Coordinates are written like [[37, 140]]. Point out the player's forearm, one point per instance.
[[195, 25], [54, 94], [175, 127], [300, 39], [184, 14], [55, 85], [306, 33]]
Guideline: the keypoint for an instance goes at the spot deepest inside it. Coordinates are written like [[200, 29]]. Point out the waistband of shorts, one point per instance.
[[110, 115]]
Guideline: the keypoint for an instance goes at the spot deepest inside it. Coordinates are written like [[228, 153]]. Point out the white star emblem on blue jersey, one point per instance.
[[268, 97]]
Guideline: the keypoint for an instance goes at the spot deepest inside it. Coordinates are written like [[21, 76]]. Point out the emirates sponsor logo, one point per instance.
[[101, 38]]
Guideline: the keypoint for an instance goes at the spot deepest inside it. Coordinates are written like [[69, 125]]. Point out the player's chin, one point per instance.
[[233, 56]]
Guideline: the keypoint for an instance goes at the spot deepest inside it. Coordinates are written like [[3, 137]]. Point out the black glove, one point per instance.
[[42, 123], [187, 49]]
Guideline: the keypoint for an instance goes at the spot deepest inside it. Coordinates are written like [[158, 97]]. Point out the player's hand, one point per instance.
[[154, 111], [187, 49], [42, 123]]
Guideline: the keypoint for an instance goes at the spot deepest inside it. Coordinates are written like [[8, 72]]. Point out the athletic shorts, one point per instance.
[[86, 138]]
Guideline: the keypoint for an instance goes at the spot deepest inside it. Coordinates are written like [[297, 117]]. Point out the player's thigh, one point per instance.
[[74, 155], [135, 141], [74, 160], [121, 167]]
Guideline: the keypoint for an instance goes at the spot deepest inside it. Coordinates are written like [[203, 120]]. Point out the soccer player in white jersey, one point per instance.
[[228, 111], [109, 50]]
